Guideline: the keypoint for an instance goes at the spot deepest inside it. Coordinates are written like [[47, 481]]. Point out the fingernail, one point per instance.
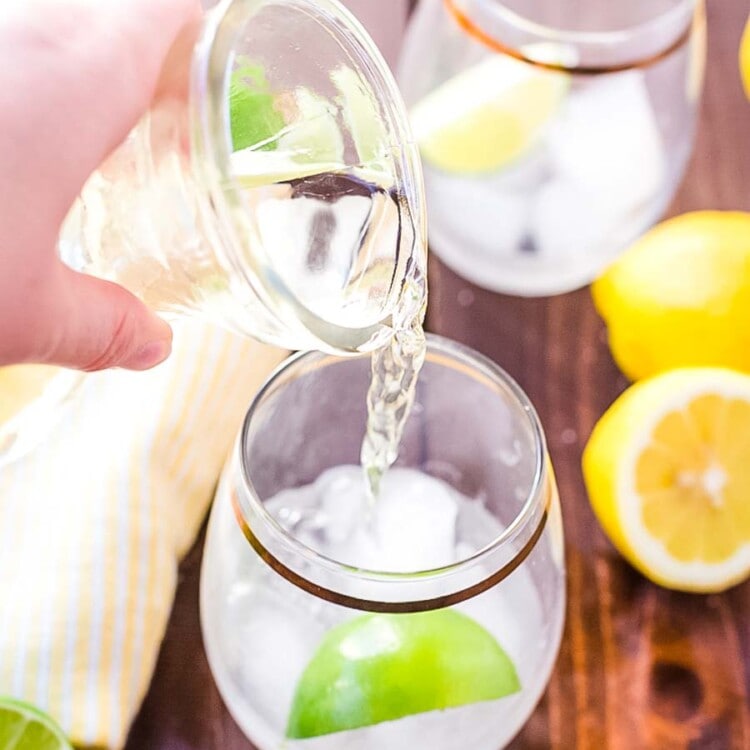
[[149, 355]]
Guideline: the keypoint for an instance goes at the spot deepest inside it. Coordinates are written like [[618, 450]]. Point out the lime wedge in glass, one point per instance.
[[266, 148], [23, 727], [253, 116], [379, 668], [487, 116]]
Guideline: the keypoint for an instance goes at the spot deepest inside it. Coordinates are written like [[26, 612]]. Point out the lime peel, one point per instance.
[[379, 668], [24, 726], [253, 117]]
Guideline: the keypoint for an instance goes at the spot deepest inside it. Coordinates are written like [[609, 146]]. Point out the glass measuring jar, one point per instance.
[[553, 132], [276, 189], [304, 595]]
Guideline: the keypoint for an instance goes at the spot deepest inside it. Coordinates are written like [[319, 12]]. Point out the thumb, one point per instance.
[[95, 325]]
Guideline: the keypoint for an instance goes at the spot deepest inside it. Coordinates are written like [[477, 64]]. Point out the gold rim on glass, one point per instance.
[[474, 30], [518, 539]]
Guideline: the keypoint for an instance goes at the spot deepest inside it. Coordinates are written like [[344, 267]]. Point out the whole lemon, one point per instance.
[[680, 296]]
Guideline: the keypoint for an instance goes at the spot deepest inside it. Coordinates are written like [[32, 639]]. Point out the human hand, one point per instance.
[[75, 78]]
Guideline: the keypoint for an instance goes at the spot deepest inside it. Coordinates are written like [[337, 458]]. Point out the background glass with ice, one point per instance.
[[598, 168]]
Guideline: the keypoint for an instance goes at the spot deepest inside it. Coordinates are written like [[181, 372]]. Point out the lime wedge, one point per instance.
[[253, 117], [487, 116], [267, 149], [23, 727], [379, 668]]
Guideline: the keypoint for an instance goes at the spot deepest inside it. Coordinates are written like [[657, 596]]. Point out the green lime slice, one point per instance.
[[253, 117], [379, 668], [23, 727]]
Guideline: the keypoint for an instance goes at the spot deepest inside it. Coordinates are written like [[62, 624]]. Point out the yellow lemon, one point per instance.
[[667, 470], [680, 297], [745, 58], [487, 116]]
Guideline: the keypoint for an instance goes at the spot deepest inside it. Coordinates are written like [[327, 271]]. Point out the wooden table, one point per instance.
[[640, 667]]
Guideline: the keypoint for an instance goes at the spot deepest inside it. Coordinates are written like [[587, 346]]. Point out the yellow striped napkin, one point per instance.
[[95, 520]]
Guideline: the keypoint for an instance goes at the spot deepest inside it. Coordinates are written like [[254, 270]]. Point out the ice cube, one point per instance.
[[479, 726], [278, 646], [410, 527], [484, 215], [343, 501], [572, 220], [607, 158], [414, 522], [510, 612], [607, 141]]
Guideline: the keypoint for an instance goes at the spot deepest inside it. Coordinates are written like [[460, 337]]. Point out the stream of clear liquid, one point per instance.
[[390, 398], [312, 223]]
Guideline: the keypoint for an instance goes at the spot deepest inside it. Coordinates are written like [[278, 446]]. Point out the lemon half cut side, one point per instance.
[[668, 474]]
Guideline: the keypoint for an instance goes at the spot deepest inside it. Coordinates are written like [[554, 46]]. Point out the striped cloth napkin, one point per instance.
[[94, 522]]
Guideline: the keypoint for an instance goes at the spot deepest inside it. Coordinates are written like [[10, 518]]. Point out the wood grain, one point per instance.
[[640, 668]]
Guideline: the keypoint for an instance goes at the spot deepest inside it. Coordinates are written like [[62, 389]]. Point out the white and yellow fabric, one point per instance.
[[94, 522]]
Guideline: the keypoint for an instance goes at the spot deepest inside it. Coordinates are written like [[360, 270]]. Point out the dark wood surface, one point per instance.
[[640, 667]]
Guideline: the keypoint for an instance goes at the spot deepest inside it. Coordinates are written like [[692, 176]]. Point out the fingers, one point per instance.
[[75, 78], [97, 325], [79, 75]]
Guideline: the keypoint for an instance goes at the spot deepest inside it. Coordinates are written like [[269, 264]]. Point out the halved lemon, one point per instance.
[[487, 116], [667, 469]]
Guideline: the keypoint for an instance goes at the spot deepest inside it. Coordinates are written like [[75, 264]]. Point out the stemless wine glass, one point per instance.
[[553, 132], [431, 619]]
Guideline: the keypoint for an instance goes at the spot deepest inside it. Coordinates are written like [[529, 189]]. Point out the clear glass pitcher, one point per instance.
[[553, 132], [275, 190]]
